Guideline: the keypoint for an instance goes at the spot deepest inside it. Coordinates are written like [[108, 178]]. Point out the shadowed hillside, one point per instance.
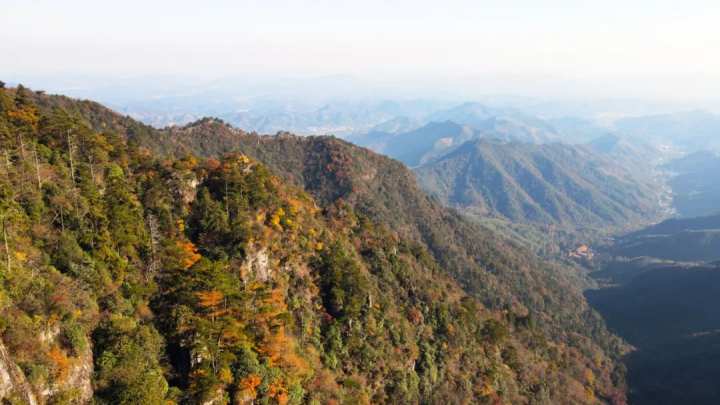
[[691, 239], [669, 313]]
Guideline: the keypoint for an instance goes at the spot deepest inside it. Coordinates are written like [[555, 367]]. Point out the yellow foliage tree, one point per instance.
[[247, 391], [276, 217], [191, 255], [60, 362], [211, 300]]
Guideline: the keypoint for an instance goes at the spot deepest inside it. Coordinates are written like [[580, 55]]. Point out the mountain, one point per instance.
[[204, 264], [420, 145], [578, 130], [552, 183], [437, 138], [637, 157], [678, 225], [505, 123], [625, 149], [696, 191], [447, 129]]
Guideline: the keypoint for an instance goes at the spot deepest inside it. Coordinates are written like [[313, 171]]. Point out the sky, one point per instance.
[[625, 48]]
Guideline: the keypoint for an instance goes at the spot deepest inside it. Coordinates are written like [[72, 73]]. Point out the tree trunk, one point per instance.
[[7, 246], [92, 169], [7, 161], [37, 168], [22, 146], [227, 201], [152, 225], [70, 157]]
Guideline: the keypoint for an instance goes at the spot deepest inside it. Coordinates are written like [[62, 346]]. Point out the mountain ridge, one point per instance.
[[551, 183]]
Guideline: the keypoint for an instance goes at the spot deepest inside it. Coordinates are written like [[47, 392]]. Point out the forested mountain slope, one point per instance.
[[501, 273], [553, 183], [135, 272]]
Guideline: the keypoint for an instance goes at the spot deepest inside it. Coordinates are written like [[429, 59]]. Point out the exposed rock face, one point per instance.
[[78, 380], [257, 265], [81, 376], [12, 381], [217, 399]]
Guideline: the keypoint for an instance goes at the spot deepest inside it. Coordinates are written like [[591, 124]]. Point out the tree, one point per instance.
[[208, 224], [128, 364], [190, 254], [126, 223], [344, 287], [210, 301]]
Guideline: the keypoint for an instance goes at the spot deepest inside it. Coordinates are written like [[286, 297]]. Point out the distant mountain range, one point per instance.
[[349, 106], [506, 123], [448, 129], [507, 164], [338, 118], [419, 145]]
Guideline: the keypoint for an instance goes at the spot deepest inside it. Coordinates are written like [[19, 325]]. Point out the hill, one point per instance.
[[552, 183]]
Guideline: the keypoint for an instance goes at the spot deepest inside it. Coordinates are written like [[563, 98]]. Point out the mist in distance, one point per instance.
[[649, 50]]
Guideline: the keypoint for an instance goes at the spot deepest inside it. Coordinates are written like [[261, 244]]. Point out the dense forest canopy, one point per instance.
[[206, 265]]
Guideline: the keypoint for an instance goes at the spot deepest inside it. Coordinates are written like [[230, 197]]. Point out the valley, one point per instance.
[[667, 312], [647, 211], [660, 288]]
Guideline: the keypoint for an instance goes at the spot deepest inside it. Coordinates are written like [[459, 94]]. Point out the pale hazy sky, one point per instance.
[[640, 47]]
